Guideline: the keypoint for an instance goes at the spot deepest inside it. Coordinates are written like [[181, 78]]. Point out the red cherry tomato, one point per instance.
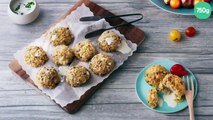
[[207, 0], [190, 31], [179, 70], [183, 73]]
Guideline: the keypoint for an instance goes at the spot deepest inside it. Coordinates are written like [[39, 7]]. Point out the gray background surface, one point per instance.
[[116, 99]]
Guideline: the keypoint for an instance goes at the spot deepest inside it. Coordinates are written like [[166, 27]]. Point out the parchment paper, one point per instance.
[[63, 93]]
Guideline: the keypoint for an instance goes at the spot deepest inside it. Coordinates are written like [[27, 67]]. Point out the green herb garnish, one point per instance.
[[17, 8], [29, 4]]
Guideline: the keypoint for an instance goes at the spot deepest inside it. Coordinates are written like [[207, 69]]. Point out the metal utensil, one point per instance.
[[95, 18]]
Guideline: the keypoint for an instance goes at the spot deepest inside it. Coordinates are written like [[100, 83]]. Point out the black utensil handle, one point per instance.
[[91, 18], [125, 15], [100, 31], [120, 25], [96, 18]]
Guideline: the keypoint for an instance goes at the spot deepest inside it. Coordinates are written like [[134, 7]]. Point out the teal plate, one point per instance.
[[182, 11], [142, 88]]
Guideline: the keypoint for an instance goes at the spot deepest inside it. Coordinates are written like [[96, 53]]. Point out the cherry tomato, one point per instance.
[[166, 1], [197, 1], [175, 35], [179, 70], [190, 31], [207, 0], [175, 4]]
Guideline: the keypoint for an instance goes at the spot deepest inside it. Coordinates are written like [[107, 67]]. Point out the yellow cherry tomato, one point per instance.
[[175, 35]]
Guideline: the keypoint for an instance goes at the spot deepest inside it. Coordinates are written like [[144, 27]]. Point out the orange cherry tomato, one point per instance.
[[197, 1], [175, 4]]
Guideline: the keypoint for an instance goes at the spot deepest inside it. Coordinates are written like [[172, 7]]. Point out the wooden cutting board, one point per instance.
[[130, 32]]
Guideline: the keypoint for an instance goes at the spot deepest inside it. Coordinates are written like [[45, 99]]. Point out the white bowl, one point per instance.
[[26, 18]]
